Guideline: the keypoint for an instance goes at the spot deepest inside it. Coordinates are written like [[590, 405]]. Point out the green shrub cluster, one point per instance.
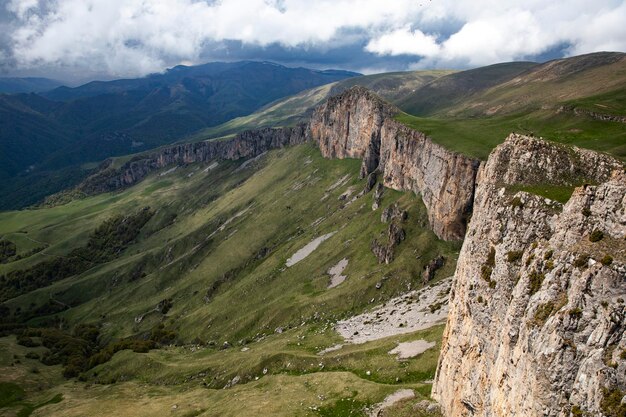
[[535, 279], [596, 236], [7, 250], [514, 255], [105, 244], [611, 403]]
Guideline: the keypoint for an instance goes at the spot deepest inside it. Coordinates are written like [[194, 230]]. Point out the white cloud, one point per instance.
[[132, 37], [404, 41]]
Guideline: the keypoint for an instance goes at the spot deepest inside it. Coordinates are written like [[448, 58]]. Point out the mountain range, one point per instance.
[[357, 248]]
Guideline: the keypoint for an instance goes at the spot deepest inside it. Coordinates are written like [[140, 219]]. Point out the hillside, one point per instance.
[[222, 232], [297, 108], [74, 126], [308, 269], [13, 85]]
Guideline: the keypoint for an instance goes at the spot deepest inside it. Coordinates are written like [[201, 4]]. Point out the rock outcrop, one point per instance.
[[358, 124], [537, 313], [247, 144]]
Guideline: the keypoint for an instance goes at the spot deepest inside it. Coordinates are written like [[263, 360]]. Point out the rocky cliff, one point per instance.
[[354, 124], [244, 145], [358, 124], [537, 314]]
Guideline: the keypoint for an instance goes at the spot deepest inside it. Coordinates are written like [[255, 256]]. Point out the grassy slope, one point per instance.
[[456, 88], [291, 110], [476, 137], [278, 199], [529, 103]]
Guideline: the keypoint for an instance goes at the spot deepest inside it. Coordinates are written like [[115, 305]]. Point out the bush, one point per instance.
[[596, 236], [27, 341], [581, 261], [542, 313], [7, 250], [606, 260], [32, 355], [535, 279], [611, 403], [514, 255], [576, 313]]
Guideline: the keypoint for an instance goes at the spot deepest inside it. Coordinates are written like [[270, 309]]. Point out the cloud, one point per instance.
[[134, 37], [404, 42]]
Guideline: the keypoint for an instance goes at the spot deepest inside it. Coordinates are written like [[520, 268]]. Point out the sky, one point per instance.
[[77, 40]]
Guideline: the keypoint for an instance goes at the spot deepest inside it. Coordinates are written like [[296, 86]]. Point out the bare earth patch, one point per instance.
[[308, 249], [391, 399], [416, 310], [411, 349], [335, 273]]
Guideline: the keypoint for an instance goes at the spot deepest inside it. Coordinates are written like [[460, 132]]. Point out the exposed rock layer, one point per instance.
[[244, 145], [354, 124], [358, 124], [536, 323]]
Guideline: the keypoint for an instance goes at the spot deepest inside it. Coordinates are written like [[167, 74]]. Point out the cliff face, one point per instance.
[[354, 124], [537, 314], [357, 124], [244, 145]]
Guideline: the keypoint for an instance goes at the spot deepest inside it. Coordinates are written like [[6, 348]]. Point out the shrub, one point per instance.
[[611, 404], [542, 313], [548, 254], [514, 255], [576, 313], [606, 260], [32, 355], [535, 279], [516, 202], [586, 212], [581, 261], [26, 341], [596, 236]]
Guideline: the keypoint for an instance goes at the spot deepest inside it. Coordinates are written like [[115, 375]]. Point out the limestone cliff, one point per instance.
[[354, 124], [537, 314], [244, 145], [358, 124]]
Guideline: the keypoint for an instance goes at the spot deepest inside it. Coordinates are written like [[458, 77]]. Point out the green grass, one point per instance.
[[558, 193], [476, 137], [10, 393], [210, 227], [613, 103]]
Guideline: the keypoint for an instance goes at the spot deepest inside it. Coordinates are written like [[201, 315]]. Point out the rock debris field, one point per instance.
[[416, 310]]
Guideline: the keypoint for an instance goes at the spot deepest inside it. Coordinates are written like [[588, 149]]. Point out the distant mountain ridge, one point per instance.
[[67, 127], [14, 85]]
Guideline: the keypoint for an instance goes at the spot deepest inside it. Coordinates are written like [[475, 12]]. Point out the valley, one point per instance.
[[337, 250]]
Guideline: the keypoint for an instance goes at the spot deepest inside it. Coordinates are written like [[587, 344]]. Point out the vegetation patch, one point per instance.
[[606, 260], [596, 236], [345, 407], [611, 404], [7, 250], [106, 243], [514, 255], [560, 193], [535, 279]]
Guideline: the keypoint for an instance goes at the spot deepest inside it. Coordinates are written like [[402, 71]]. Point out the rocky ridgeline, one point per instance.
[[243, 145], [354, 124], [358, 124], [537, 312]]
